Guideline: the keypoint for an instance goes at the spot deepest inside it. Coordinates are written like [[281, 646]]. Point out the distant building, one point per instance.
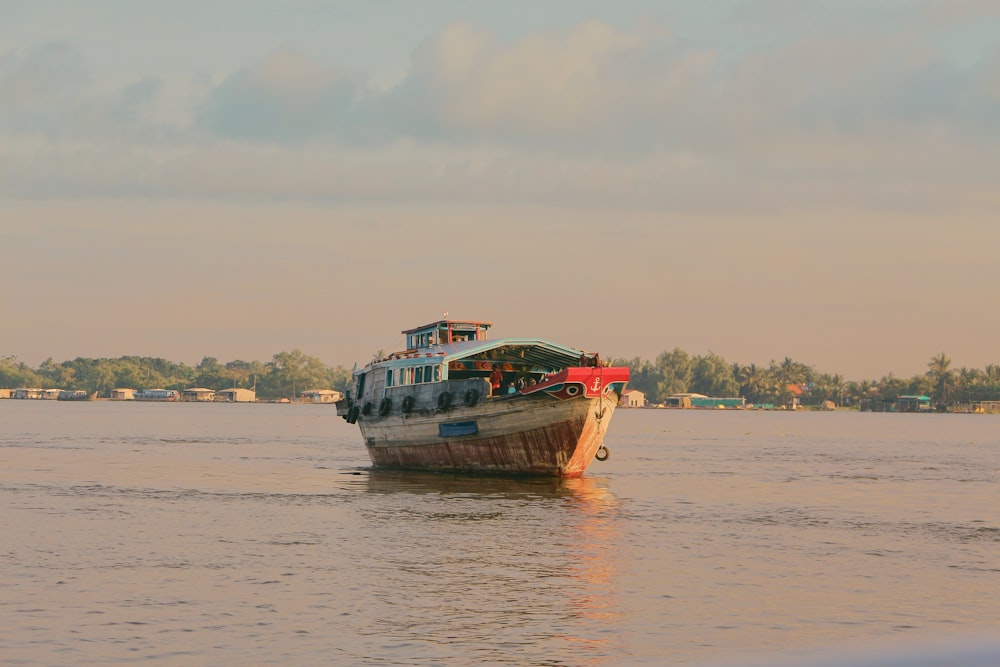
[[795, 394], [681, 400], [6, 393], [235, 395], [33, 393], [633, 398], [913, 403], [692, 400], [198, 395], [123, 394], [899, 404], [322, 395]]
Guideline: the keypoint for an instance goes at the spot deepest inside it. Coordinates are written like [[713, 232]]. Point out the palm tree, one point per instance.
[[829, 388], [838, 387], [759, 384], [942, 376], [992, 373]]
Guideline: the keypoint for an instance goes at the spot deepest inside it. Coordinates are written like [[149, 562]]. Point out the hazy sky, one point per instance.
[[755, 178]]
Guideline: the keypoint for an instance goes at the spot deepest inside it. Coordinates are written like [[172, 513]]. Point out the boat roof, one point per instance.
[[535, 352]]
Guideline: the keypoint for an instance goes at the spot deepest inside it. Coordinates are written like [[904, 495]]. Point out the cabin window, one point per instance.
[[388, 377], [419, 376], [427, 373], [437, 373]]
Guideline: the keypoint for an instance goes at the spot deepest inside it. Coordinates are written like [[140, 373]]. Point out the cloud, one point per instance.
[[588, 115], [547, 84], [49, 92], [961, 12], [38, 85], [137, 99], [599, 90], [287, 96], [588, 87]]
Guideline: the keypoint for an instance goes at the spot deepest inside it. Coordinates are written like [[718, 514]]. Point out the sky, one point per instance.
[[759, 179]]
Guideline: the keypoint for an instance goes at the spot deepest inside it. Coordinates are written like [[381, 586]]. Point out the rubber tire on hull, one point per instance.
[[471, 398], [352, 414]]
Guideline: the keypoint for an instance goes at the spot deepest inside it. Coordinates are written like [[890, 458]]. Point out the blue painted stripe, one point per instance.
[[458, 428]]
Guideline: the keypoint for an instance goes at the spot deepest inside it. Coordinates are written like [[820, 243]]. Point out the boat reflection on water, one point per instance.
[[511, 552], [590, 493]]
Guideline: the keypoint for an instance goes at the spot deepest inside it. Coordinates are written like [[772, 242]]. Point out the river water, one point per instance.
[[234, 534]]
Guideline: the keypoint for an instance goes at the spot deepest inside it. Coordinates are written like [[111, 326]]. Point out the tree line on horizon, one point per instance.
[[288, 374], [677, 372]]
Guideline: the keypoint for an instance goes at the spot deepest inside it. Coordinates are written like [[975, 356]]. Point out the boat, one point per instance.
[[455, 401], [76, 395], [158, 395]]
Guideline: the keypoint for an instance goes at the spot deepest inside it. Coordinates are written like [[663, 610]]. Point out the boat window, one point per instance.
[[419, 376], [427, 373], [388, 377], [437, 373]]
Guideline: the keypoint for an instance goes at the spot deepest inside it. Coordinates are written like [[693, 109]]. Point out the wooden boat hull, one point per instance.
[[535, 434]]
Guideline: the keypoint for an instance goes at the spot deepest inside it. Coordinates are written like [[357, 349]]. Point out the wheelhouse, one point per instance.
[[445, 332]]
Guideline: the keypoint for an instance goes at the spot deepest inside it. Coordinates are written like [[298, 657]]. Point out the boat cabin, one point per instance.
[[445, 332], [459, 350]]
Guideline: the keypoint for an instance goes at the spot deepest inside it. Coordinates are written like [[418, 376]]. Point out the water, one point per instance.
[[190, 534]]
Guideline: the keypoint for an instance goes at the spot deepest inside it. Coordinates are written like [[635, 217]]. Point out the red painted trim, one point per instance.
[[591, 381]]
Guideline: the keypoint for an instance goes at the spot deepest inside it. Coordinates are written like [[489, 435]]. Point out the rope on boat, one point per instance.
[[600, 398], [602, 453]]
